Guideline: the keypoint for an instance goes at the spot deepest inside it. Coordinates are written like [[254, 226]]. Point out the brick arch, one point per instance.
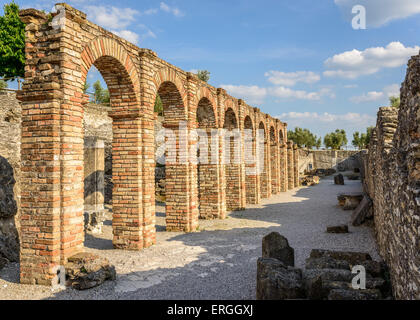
[[115, 65], [230, 119], [205, 93], [272, 135], [248, 123], [205, 115], [166, 75], [281, 136], [261, 125]]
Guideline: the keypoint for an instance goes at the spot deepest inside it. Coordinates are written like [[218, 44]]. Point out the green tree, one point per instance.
[[3, 84], [395, 102], [318, 143], [304, 138], [203, 75], [336, 140], [361, 141], [158, 105], [12, 43], [101, 94], [86, 87]]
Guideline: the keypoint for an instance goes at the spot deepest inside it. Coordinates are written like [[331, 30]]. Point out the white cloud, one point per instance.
[[289, 79], [251, 94], [287, 93], [380, 12], [388, 91], [175, 11], [111, 17], [326, 117], [128, 35], [355, 63], [256, 94]]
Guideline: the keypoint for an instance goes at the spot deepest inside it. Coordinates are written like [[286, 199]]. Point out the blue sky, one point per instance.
[[300, 60]]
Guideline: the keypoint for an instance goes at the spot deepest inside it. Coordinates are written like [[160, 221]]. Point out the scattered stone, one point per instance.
[[352, 294], [94, 221], [363, 211], [87, 270], [353, 258], [276, 281], [339, 179], [326, 262], [309, 180], [353, 176], [338, 229], [350, 201], [274, 245]]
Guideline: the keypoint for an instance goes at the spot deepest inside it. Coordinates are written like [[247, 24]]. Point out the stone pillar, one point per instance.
[[296, 165], [94, 187], [235, 184], [274, 168], [181, 186], [265, 172], [52, 153], [290, 166], [283, 168], [252, 183]]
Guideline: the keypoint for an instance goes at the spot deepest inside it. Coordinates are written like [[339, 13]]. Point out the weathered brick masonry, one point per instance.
[[57, 63], [392, 180]]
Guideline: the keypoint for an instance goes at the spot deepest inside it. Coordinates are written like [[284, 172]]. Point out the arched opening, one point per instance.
[[171, 172], [108, 90], [232, 161], [207, 169], [250, 163], [281, 137], [274, 162], [264, 181]]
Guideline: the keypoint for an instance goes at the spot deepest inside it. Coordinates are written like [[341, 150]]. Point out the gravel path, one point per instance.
[[219, 262]]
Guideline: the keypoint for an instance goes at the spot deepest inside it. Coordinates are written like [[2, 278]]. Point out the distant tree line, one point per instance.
[[335, 140]]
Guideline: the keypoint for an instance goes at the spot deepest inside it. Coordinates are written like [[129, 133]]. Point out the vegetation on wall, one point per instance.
[[395, 102]]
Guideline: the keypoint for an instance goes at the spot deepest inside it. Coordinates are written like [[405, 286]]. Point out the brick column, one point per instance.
[[290, 166], [283, 168], [235, 184], [94, 186], [52, 153], [181, 186], [296, 165]]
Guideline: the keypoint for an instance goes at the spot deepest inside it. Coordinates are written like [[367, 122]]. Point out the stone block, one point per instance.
[[339, 179], [338, 229], [276, 246], [276, 281], [362, 212], [87, 270]]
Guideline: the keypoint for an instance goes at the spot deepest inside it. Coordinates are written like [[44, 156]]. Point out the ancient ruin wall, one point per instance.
[[393, 182]]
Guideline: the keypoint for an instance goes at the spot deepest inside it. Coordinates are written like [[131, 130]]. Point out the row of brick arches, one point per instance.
[[58, 60]]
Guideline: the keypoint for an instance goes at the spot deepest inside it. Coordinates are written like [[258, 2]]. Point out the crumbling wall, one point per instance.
[[10, 130], [393, 182], [340, 160]]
